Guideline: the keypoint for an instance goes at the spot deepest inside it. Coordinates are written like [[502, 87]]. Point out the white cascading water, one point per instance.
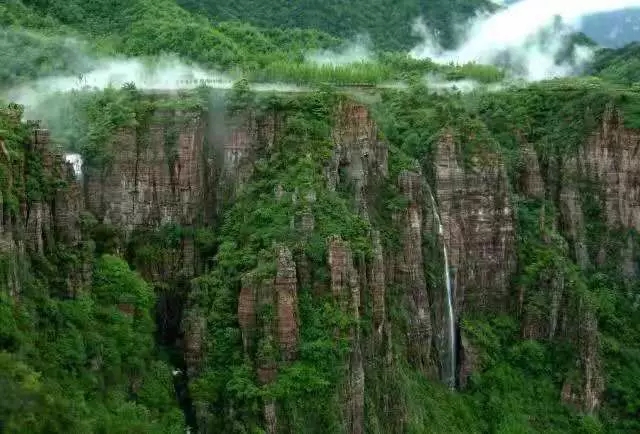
[[450, 376], [76, 161]]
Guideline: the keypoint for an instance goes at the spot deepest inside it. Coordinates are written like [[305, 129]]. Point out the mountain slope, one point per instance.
[[610, 29], [387, 23], [317, 258], [614, 29]]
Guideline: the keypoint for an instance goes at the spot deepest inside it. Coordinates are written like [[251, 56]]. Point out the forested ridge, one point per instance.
[[110, 325], [387, 23]]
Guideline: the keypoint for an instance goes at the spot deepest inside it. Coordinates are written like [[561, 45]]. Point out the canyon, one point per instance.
[[176, 172]]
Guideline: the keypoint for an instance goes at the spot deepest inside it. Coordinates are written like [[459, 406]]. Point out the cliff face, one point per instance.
[[611, 158], [601, 178], [478, 228], [149, 186], [410, 270], [478, 231], [241, 140], [165, 174], [48, 217], [345, 288], [157, 175], [609, 162], [359, 156], [268, 319]]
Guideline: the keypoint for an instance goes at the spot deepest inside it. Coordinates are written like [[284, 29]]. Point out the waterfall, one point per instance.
[[76, 161], [449, 373]]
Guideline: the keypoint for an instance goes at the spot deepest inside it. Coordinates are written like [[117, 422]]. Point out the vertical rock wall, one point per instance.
[[167, 179], [478, 225], [155, 177], [44, 221]]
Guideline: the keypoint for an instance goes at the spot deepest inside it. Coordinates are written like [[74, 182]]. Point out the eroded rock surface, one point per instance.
[[478, 222]]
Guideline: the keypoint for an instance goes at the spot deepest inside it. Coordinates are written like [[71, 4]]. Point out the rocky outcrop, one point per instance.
[[287, 304], [478, 225], [530, 178], [377, 285], [611, 156], [585, 390], [43, 215], [542, 312], [247, 316], [11, 250], [244, 138], [268, 319], [155, 176], [572, 218], [411, 271], [48, 216], [360, 157], [589, 344], [629, 254], [345, 287]]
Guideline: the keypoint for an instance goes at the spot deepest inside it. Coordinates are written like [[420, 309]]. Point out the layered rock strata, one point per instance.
[[478, 222], [155, 177], [43, 220], [166, 177]]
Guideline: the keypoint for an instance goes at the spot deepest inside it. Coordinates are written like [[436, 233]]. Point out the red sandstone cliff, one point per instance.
[[45, 219], [478, 221], [156, 176], [608, 160], [150, 183], [268, 319], [410, 271], [345, 287], [611, 157]]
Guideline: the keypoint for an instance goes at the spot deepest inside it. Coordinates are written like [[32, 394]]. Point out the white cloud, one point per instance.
[[354, 52], [515, 31]]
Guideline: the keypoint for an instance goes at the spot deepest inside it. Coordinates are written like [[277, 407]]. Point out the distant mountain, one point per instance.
[[610, 29], [614, 29], [388, 22]]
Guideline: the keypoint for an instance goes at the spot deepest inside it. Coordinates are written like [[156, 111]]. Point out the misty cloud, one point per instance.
[[529, 36], [164, 74], [167, 73], [354, 52], [26, 55], [439, 84]]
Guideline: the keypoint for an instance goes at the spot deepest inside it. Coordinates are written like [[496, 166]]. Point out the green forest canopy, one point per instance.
[[67, 365]]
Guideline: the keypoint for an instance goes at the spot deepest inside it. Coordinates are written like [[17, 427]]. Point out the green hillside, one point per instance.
[[387, 23], [99, 321], [144, 28]]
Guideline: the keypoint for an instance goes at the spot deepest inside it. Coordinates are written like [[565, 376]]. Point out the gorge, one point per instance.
[[263, 217], [300, 258]]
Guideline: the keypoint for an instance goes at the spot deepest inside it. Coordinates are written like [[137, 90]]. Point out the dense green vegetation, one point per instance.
[[141, 28], [74, 362], [618, 65], [555, 117], [388, 23], [87, 357], [69, 37], [519, 383], [256, 223]]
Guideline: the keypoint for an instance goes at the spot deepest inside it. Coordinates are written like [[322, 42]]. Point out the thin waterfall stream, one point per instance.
[[449, 374]]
